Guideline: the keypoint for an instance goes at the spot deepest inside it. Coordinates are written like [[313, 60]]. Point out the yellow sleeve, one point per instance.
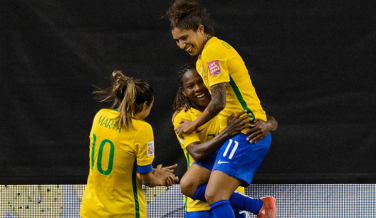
[[187, 139], [215, 66], [144, 144]]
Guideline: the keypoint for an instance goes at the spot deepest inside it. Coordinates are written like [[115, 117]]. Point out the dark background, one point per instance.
[[312, 63]]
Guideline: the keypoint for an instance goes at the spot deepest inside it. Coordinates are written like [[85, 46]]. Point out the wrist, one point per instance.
[[226, 132], [195, 125]]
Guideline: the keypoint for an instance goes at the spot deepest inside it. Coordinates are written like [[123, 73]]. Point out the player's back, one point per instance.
[[114, 188]]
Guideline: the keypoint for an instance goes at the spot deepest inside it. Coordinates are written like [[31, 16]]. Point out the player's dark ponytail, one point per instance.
[[128, 95], [187, 14]]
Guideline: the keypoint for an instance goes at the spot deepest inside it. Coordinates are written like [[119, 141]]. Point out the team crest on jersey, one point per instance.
[[151, 148], [214, 68]]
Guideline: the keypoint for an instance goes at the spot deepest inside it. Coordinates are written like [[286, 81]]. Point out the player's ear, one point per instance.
[[144, 105], [201, 29]]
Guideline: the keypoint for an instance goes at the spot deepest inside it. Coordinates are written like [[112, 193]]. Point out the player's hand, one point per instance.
[[185, 127], [236, 123], [258, 130], [175, 179], [165, 176], [170, 169]]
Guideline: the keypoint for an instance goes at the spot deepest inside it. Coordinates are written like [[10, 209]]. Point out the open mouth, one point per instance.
[[201, 96], [189, 49]]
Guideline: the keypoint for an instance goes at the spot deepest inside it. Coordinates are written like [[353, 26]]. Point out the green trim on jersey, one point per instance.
[[188, 165], [134, 185], [93, 150], [240, 98]]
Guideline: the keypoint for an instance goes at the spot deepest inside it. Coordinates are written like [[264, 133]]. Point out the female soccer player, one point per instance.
[[122, 152], [202, 144], [226, 76]]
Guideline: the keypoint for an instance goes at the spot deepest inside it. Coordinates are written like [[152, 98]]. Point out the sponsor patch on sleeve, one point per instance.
[[151, 148], [214, 67]]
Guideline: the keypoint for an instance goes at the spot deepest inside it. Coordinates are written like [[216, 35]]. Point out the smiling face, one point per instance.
[[191, 41], [195, 90]]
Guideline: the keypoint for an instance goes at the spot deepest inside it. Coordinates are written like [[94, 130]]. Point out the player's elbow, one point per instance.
[[197, 152], [219, 106], [199, 157]]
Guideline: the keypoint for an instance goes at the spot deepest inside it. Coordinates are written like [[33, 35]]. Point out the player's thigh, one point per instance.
[[220, 186], [193, 178]]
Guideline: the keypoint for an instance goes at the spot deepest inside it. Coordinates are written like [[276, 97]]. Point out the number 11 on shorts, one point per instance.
[[233, 149]]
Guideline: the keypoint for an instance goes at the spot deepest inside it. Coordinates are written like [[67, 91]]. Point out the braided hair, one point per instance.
[[181, 101]]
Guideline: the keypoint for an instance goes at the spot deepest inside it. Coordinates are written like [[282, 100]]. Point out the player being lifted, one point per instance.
[[200, 147], [227, 78], [122, 152]]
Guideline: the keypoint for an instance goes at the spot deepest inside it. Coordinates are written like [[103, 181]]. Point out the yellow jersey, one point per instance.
[[117, 156], [204, 133], [218, 63]]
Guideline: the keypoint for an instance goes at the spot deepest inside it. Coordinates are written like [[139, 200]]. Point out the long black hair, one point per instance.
[[187, 14]]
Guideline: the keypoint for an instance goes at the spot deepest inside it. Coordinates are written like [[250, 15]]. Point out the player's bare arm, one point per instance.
[[218, 101], [216, 105], [235, 124]]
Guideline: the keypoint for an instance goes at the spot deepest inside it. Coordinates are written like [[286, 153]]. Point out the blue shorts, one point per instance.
[[209, 163], [208, 214], [198, 214], [240, 159]]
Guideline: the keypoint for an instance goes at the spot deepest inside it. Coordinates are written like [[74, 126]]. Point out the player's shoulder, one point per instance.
[[141, 125], [108, 111], [217, 48], [180, 115], [191, 114], [106, 114], [219, 44]]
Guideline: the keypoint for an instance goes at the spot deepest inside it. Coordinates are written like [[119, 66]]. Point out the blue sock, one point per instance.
[[237, 200], [222, 209], [243, 202], [200, 193]]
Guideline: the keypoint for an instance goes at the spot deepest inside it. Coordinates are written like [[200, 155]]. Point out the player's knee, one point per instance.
[[187, 186], [210, 196]]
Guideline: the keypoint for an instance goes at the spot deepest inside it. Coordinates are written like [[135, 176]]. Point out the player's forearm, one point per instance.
[[149, 179], [218, 99], [216, 104], [203, 118], [202, 151]]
